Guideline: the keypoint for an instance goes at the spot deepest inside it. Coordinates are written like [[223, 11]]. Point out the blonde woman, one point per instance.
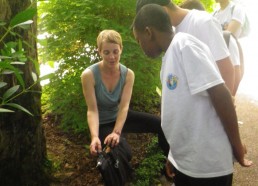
[[107, 88]]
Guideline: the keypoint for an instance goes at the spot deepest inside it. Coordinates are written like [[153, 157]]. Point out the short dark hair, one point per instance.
[[192, 4], [152, 15], [141, 3]]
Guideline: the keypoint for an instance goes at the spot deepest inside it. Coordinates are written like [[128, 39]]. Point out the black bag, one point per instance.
[[114, 164]]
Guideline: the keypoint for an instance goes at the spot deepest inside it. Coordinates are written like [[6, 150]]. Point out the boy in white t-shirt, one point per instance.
[[203, 26], [231, 16], [232, 43], [197, 113]]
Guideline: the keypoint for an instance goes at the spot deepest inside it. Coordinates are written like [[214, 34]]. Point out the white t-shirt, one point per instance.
[[199, 146], [206, 28], [234, 51], [226, 15]]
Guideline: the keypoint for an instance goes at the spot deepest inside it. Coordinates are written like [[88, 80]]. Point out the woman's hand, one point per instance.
[[95, 146], [112, 139]]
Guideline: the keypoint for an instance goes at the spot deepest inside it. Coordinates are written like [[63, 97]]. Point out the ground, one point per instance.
[[74, 166]]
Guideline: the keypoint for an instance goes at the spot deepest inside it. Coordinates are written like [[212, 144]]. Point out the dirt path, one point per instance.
[[75, 167], [247, 111]]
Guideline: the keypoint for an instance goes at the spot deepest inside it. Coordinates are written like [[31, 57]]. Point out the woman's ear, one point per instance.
[[121, 49]]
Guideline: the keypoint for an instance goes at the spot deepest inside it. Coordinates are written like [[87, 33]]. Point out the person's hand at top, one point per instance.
[[112, 139], [95, 146]]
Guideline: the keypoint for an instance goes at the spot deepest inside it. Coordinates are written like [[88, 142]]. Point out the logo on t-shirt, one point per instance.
[[171, 81]]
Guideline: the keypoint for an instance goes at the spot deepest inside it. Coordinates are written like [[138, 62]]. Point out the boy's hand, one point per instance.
[[241, 160], [169, 169]]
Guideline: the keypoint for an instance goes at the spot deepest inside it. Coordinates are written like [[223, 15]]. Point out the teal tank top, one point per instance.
[[108, 102]]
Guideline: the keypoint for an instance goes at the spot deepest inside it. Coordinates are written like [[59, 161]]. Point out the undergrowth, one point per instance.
[[150, 168]]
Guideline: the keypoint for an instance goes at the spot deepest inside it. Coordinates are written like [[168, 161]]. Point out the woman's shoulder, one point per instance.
[[90, 70]]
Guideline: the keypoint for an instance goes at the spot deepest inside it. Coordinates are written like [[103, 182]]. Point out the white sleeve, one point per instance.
[[234, 52], [200, 68], [214, 38], [238, 14]]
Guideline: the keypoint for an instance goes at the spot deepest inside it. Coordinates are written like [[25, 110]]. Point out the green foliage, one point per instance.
[[72, 28], [208, 4], [149, 170], [12, 56]]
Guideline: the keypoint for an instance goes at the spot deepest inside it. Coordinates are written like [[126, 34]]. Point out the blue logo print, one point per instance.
[[172, 81]]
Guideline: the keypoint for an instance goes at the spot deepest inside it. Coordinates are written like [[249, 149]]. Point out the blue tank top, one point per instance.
[[108, 102]]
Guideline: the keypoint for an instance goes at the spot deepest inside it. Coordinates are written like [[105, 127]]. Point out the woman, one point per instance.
[[107, 88]]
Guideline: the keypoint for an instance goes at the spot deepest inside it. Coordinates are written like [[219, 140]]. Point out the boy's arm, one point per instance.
[[227, 72], [223, 104]]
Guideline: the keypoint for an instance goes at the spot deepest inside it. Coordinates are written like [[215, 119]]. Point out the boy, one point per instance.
[[203, 26], [197, 112]]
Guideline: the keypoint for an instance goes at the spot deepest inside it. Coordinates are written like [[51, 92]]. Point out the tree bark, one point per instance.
[[23, 159]]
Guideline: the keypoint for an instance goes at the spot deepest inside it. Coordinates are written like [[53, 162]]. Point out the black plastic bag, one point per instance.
[[114, 164]]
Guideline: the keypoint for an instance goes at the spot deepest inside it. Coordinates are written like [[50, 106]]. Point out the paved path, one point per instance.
[[247, 110]]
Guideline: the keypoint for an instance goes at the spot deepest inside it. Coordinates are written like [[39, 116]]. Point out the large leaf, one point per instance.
[[19, 107], [24, 25], [10, 92], [47, 76], [23, 16], [2, 84], [34, 76], [4, 65], [5, 110]]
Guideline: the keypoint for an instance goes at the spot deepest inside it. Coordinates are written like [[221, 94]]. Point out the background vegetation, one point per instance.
[[72, 28]]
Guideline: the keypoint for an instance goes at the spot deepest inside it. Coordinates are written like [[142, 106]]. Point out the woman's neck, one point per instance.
[[108, 70]]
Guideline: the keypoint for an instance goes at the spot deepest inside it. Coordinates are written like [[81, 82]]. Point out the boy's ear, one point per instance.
[[148, 31]]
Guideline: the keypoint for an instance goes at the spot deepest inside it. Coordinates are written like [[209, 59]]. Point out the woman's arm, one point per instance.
[[113, 138], [88, 83]]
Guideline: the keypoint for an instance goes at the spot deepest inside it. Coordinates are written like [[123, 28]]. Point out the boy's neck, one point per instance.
[[223, 4], [166, 41], [177, 15]]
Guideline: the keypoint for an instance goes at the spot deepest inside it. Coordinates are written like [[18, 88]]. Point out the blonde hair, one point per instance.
[[109, 36]]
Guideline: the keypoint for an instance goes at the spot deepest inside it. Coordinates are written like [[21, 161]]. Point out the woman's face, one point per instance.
[[110, 53]]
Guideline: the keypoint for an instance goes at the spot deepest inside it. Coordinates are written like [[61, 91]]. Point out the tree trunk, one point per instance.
[[22, 142]]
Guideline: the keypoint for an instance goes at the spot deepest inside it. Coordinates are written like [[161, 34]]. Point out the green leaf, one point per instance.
[[2, 84], [47, 76], [10, 92], [25, 25], [5, 57], [2, 23], [19, 107], [5, 110], [158, 91], [34, 76], [17, 63], [16, 72], [51, 64], [23, 17]]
